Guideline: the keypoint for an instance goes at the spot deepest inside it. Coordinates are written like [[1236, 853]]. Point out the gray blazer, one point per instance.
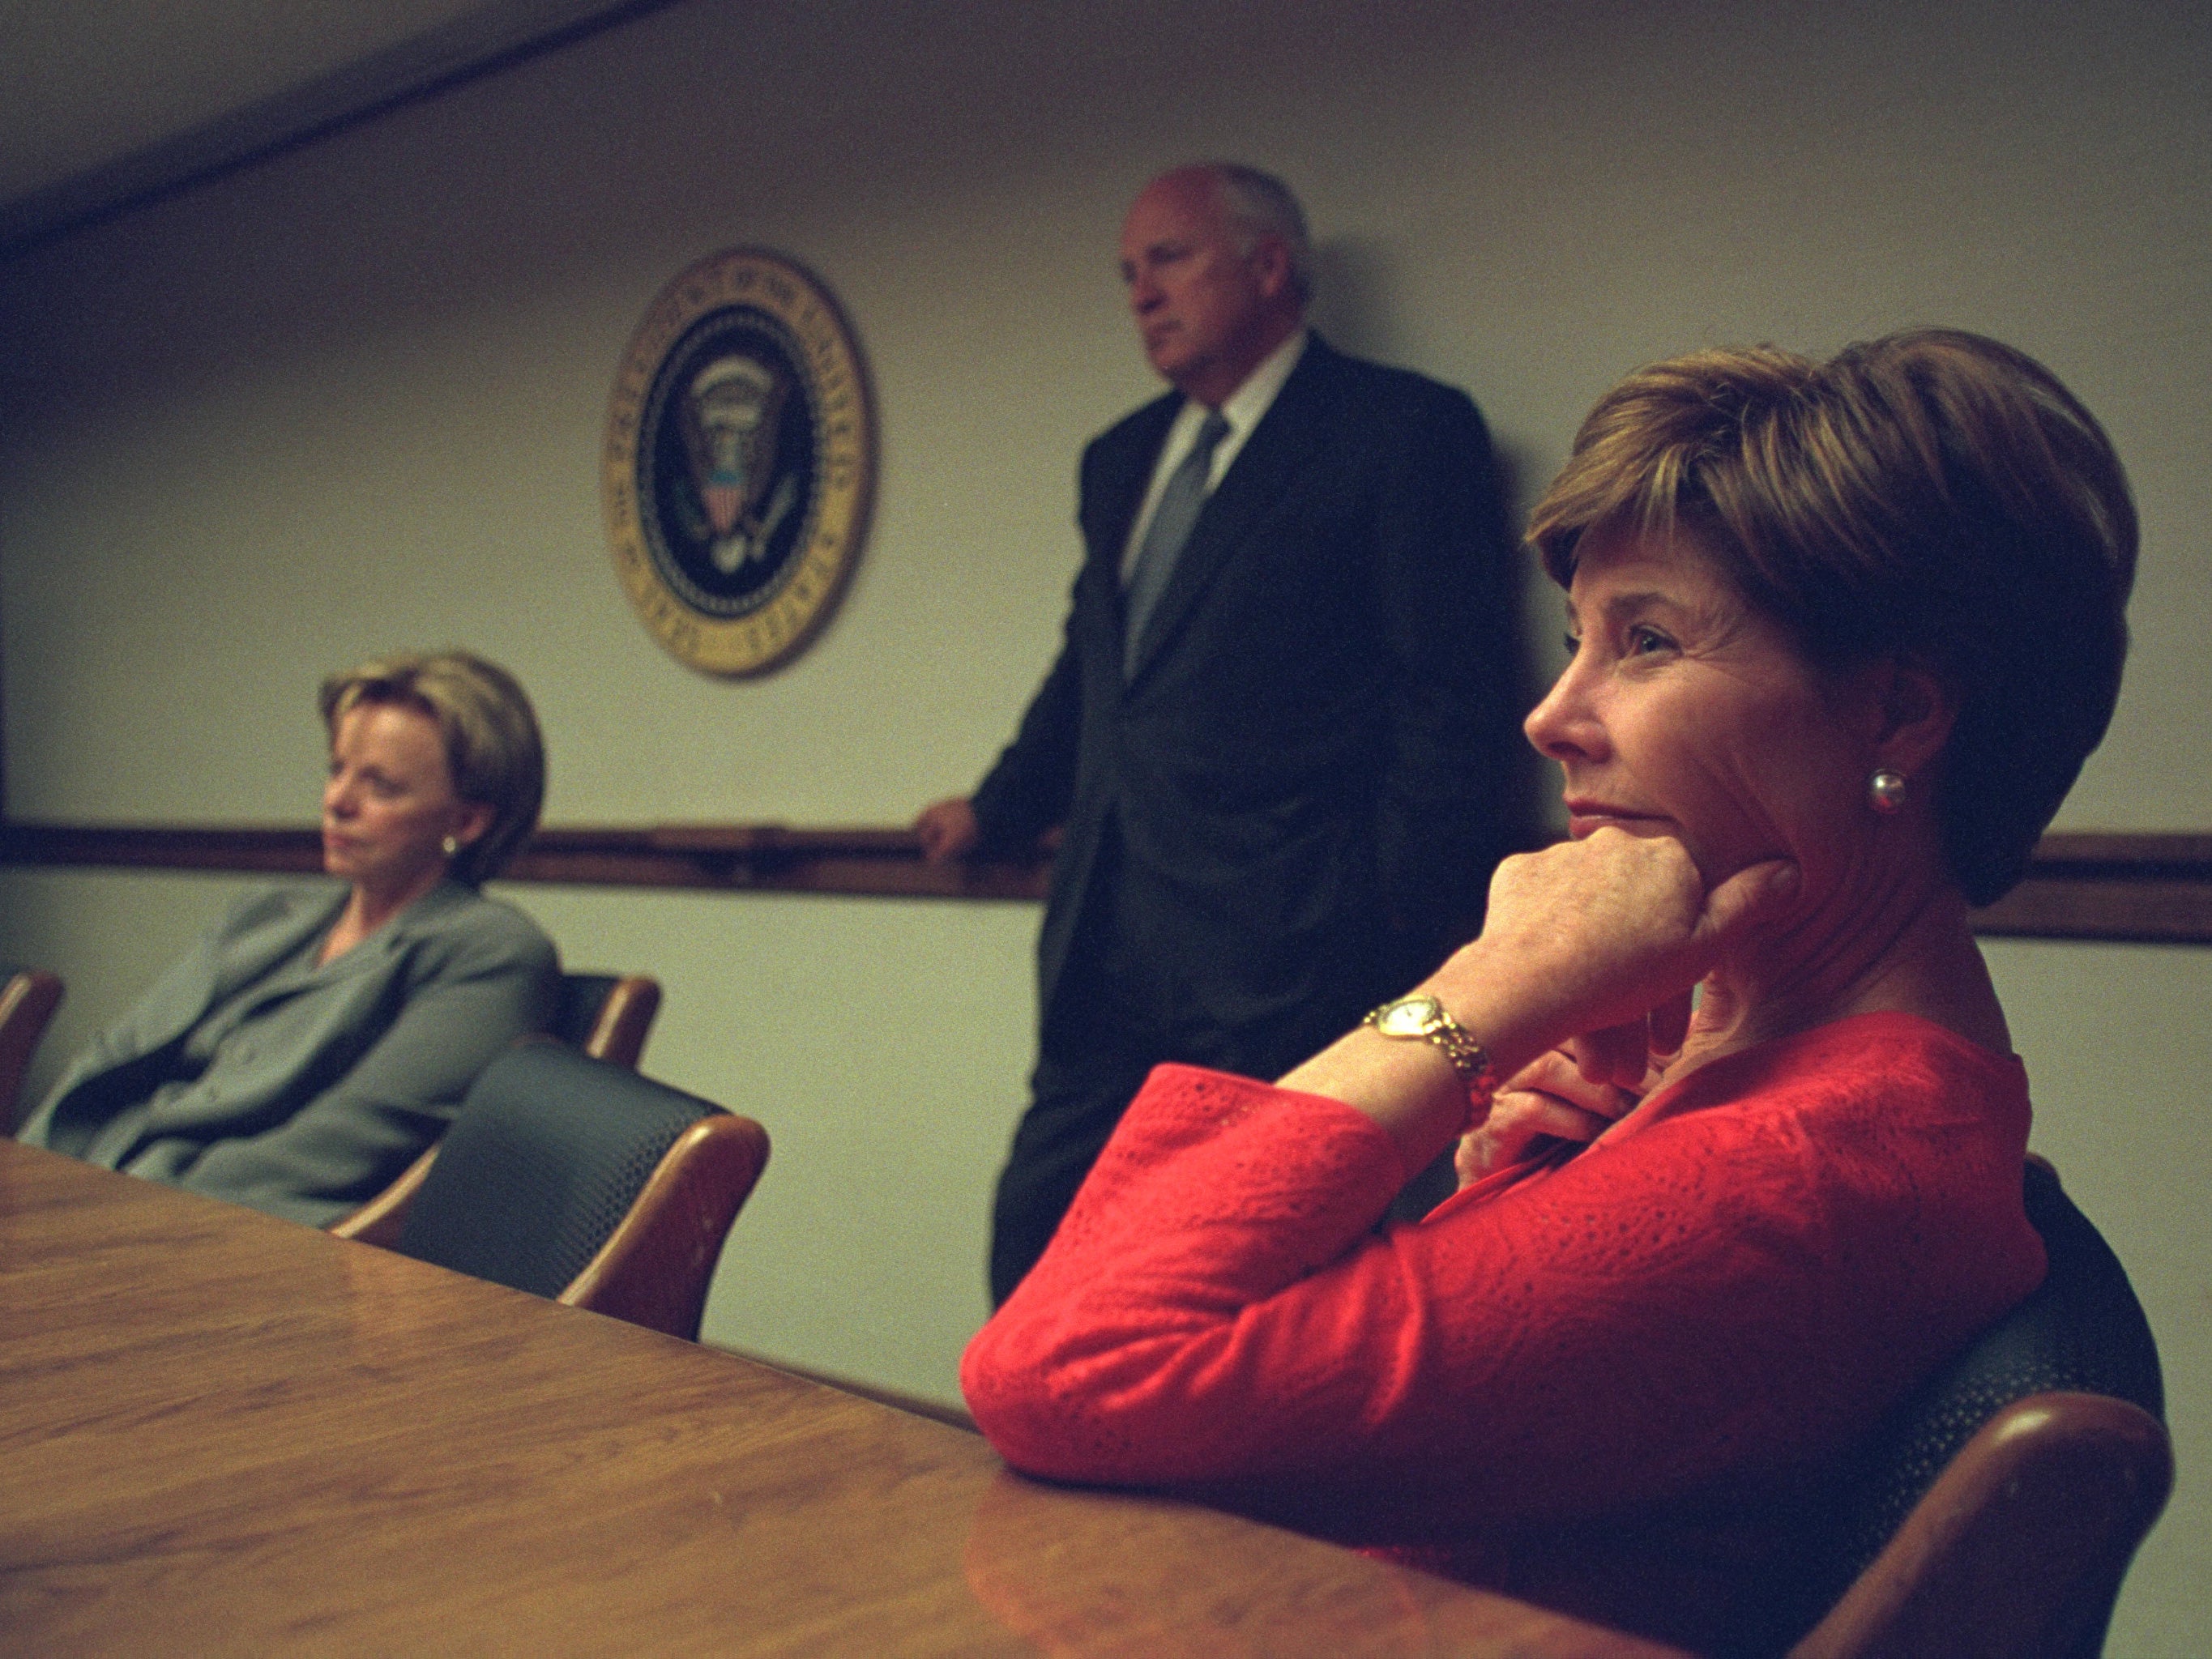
[[334, 1079]]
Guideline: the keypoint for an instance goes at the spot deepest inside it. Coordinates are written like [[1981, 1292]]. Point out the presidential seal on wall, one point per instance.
[[739, 462]]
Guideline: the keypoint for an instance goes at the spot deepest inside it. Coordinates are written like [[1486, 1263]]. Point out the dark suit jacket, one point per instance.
[[336, 1078], [1308, 770]]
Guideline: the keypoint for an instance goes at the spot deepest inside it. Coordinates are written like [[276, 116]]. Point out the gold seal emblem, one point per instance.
[[739, 462]]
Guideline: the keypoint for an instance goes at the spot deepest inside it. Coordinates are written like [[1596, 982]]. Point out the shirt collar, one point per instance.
[[1250, 401]]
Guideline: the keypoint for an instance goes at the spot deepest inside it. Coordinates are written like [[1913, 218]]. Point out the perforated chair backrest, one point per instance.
[[2081, 1331], [550, 1150], [608, 1016]]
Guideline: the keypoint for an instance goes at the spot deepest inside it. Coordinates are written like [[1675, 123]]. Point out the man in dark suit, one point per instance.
[[1277, 739]]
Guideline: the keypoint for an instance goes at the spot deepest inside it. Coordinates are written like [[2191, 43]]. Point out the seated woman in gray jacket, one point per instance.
[[303, 1053]]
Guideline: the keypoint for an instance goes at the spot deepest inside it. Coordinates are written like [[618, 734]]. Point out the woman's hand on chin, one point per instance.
[[1597, 942], [1602, 940]]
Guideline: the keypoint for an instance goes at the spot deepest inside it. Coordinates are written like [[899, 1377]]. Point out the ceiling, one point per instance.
[[105, 101]]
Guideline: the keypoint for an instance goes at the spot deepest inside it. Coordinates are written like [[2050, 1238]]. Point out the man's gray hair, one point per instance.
[[1262, 205]]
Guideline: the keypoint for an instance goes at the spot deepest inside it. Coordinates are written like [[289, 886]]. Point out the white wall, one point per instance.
[[2118, 1050], [352, 399]]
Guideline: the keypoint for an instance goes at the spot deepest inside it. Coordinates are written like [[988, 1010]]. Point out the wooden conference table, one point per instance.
[[222, 1433]]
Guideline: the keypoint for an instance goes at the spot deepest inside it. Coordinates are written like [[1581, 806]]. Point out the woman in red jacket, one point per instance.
[[1841, 636]]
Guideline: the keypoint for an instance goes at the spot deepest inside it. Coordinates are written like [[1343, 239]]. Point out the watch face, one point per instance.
[[1408, 1019]]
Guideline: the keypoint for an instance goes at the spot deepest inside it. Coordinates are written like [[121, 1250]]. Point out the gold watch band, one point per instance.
[[1421, 1017]]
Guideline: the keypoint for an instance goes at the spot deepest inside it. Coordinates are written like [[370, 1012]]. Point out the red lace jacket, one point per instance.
[[1725, 1288]]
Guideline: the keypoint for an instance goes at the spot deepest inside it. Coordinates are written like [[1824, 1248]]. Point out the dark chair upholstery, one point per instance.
[[27, 1001], [1996, 1511], [607, 1016], [578, 1179]]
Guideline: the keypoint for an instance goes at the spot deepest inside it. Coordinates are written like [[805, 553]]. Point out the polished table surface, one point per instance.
[[224, 1433]]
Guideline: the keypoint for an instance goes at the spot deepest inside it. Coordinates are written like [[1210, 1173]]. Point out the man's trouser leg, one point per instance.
[[1073, 1110]]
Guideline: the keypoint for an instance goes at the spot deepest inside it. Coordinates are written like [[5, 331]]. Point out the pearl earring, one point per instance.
[[452, 844], [1886, 790]]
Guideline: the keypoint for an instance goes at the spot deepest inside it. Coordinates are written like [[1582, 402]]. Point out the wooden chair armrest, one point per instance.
[[380, 1220], [618, 1034], [2022, 1538], [28, 1002], [655, 1268]]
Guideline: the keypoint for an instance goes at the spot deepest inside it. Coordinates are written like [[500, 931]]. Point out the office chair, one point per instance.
[[27, 1001], [1996, 1511], [607, 1016], [578, 1179]]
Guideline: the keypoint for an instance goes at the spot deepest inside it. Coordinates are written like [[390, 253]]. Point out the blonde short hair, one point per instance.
[[1932, 497], [493, 747]]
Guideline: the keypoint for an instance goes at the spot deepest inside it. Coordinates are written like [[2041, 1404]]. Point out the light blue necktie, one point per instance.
[[1170, 529]]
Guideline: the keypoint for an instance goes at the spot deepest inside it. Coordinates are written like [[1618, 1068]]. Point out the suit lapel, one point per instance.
[[1287, 435], [250, 957], [367, 957]]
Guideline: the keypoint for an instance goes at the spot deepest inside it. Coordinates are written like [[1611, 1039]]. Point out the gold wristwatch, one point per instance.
[[1421, 1017]]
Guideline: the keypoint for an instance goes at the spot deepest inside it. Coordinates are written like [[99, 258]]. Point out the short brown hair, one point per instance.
[[490, 732], [1934, 498]]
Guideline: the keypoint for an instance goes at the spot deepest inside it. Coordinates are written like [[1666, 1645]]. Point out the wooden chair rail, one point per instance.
[[2152, 888], [740, 857]]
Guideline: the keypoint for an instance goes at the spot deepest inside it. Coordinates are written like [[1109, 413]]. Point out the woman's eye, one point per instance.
[[1644, 641], [1572, 641]]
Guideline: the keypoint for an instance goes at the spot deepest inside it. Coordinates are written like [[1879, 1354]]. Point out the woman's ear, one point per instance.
[[1918, 712], [474, 823]]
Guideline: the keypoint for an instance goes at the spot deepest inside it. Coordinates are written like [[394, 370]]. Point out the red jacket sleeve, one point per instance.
[[1752, 1268]]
